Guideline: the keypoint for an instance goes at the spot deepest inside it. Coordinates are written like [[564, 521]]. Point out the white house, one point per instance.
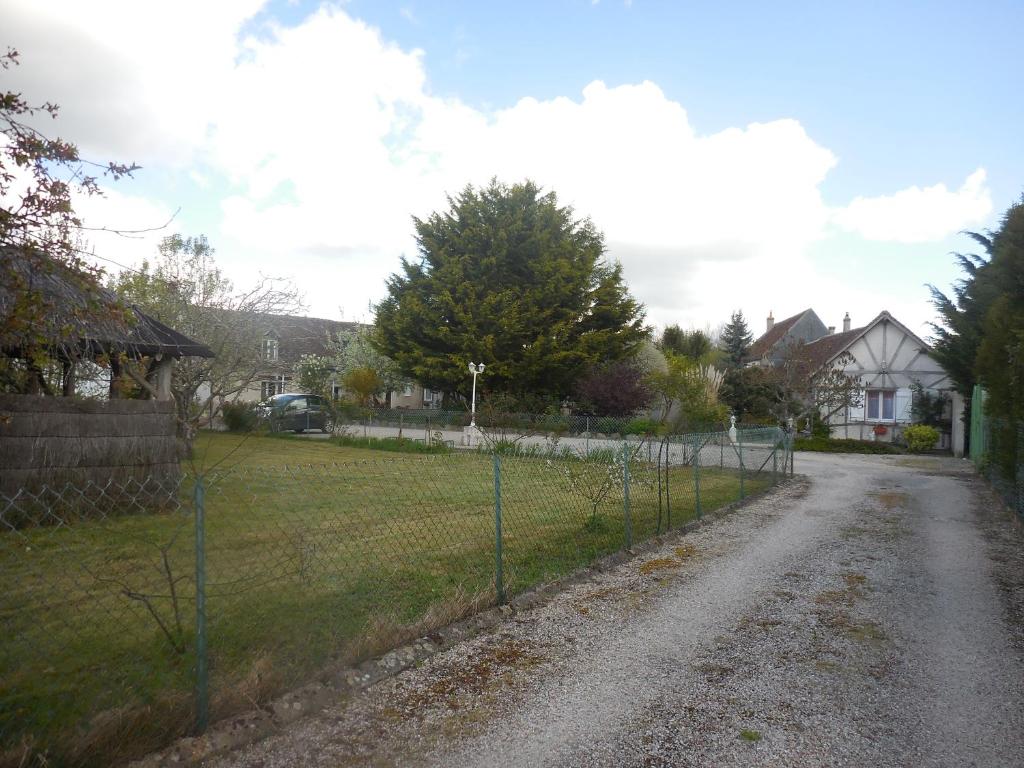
[[889, 359]]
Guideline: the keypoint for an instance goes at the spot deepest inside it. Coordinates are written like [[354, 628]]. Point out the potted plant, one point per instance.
[[880, 429]]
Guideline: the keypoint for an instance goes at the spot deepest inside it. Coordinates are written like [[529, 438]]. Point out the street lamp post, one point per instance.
[[474, 369]]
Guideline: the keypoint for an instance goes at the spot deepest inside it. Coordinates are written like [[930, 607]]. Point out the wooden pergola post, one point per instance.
[[164, 370]]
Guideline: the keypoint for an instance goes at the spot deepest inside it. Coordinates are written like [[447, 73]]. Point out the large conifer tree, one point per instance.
[[736, 340], [509, 278]]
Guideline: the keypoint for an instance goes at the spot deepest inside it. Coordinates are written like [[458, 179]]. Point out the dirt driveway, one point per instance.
[[869, 615]]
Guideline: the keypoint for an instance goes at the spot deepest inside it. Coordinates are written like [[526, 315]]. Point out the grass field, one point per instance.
[[316, 554]]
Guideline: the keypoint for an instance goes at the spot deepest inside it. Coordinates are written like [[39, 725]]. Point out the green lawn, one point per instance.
[[315, 554]]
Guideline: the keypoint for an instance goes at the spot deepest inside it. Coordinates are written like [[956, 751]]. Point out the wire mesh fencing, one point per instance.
[[997, 450], [424, 423], [135, 613], [1002, 462]]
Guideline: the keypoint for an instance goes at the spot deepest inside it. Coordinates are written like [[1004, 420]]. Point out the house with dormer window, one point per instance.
[[287, 338]]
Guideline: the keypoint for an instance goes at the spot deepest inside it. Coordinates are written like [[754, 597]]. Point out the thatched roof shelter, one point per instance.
[[48, 305]]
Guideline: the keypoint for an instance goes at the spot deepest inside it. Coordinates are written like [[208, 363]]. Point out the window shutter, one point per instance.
[[904, 397], [857, 411]]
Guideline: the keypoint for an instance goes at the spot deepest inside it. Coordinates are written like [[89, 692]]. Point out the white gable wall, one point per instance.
[[888, 358]]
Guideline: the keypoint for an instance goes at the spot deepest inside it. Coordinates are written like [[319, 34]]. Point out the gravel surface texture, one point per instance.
[[870, 614]]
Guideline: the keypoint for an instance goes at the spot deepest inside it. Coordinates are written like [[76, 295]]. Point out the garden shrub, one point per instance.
[[823, 445], [641, 427], [240, 417], [920, 438]]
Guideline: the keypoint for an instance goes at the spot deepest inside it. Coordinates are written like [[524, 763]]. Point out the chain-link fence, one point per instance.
[[997, 450], [138, 612]]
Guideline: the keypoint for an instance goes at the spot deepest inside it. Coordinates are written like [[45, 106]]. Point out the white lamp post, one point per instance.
[[474, 369]]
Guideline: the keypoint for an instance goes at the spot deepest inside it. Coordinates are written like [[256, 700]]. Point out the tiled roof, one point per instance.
[[298, 336], [824, 349], [764, 344]]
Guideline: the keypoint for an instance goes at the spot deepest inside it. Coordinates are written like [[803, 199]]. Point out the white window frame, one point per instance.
[[274, 386], [407, 391], [270, 350], [879, 397], [428, 396]]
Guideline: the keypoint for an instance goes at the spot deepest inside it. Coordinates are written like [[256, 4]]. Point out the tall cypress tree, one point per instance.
[[736, 340], [509, 278]]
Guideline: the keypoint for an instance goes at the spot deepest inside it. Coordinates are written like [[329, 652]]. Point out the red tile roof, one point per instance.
[[824, 349]]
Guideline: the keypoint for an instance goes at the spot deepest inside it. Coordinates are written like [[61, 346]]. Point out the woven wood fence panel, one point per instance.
[[53, 441]]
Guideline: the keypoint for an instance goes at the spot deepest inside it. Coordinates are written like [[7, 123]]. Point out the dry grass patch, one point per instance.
[[659, 564], [490, 667], [686, 551]]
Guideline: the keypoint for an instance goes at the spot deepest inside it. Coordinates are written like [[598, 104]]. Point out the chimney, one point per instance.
[[846, 322], [831, 330], [771, 321]]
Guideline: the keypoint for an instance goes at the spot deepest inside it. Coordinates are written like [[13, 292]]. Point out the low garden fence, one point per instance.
[[133, 613], [997, 450], [429, 420]]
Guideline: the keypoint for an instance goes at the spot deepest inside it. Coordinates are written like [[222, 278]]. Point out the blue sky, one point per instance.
[[743, 155]]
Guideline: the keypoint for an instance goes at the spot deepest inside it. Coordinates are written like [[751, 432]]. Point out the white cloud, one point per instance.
[[329, 139], [140, 225], [347, 157], [136, 82], [916, 215]]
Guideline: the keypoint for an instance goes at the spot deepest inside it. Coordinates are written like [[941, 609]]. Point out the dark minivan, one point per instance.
[[297, 412]]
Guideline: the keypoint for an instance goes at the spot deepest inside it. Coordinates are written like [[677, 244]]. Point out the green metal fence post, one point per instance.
[[202, 671], [775, 461], [499, 571], [668, 494], [696, 475], [625, 496], [739, 443]]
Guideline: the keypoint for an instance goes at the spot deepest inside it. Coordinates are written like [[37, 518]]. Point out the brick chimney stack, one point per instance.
[[771, 321], [846, 322]]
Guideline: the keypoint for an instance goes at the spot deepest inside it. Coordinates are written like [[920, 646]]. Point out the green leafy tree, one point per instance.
[[364, 383], [959, 331], [688, 393], [736, 340], [929, 408], [980, 334], [508, 277], [354, 350], [694, 344], [1000, 361], [313, 373], [753, 394]]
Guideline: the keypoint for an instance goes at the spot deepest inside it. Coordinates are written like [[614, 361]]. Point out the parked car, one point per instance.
[[296, 411]]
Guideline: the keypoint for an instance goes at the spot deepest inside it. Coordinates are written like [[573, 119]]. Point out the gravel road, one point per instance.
[[870, 614]]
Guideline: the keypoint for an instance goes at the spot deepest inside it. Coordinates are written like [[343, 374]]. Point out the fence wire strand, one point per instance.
[[308, 566]]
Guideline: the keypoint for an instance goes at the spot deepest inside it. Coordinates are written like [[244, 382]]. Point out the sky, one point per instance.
[[763, 157]]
